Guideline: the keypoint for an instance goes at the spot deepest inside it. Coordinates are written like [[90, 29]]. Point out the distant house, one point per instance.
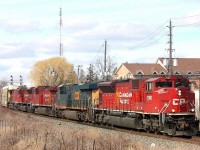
[[134, 70], [184, 66], [181, 66]]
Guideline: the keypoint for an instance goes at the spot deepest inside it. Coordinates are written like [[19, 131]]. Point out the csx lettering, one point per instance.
[[76, 96]]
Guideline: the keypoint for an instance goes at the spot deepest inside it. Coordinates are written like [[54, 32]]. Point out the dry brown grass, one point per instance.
[[19, 131], [24, 132]]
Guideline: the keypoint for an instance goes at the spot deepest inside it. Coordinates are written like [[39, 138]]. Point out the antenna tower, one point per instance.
[[61, 45]]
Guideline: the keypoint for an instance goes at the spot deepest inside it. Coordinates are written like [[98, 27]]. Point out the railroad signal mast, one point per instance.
[[11, 80], [20, 80]]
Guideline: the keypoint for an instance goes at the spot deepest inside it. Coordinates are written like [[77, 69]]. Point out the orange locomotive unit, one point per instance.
[[158, 104]]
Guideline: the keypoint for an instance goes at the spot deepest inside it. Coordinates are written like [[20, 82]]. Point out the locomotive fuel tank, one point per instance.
[[73, 115]]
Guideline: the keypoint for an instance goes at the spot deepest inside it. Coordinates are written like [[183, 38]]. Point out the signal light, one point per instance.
[[11, 80], [20, 80]]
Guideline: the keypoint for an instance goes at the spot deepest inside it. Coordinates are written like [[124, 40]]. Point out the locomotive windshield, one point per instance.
[[181, 84], [163, 84]]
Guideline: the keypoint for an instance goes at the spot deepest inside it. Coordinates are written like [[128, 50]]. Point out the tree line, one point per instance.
[[57, 70]]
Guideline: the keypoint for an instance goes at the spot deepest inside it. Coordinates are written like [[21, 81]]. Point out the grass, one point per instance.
[[22, 131]]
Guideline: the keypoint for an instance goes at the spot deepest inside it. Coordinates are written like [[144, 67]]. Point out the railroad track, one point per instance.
[[192, 140]]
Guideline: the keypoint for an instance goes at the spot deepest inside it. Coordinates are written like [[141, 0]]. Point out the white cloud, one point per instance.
[[19, 26], [30, 31]]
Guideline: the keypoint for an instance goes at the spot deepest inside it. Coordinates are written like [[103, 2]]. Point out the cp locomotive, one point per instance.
[[159, 104]]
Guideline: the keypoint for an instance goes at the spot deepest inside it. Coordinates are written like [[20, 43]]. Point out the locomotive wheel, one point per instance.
[[156, 131]]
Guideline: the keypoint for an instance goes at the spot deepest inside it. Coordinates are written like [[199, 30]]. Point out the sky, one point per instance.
[[136, 31]]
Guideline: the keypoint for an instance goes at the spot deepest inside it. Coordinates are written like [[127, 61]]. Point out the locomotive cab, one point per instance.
[[172, 101], [169, 95]]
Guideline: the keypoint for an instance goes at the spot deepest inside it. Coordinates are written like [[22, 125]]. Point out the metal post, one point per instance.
[[61, 45], [170, 63], [105, 60]]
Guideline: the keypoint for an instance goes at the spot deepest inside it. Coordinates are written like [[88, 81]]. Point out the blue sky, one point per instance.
[[135, 30]]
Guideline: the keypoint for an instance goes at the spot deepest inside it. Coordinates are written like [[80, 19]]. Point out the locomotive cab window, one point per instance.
[[149, 86], [181, 84], [63, 90], [163, 84]]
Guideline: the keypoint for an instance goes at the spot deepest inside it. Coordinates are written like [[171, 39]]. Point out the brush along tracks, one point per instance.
[[60, 121]]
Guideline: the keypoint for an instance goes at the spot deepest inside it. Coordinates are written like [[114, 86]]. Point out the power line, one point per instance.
[[150, 37], [189, 24], [154, 33], [148, 42], [96, 53], [186, 17]]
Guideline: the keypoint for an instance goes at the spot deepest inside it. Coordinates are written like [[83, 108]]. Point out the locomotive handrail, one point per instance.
[[165, 106], [161, 116]]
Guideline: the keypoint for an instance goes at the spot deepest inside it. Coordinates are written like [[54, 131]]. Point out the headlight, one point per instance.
[[192, 110], [173, 110], [179, 92]]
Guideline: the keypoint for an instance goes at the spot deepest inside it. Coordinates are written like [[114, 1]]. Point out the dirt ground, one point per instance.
[[23, 131], [19, 131]]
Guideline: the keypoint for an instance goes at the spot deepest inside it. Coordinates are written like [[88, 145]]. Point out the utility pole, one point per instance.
[[170, 62], [61, 45], [90, 76], [79, 66], [105, 60]]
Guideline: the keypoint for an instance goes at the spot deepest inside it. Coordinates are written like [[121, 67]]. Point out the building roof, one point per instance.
[[145, 68], [180, 66], [184, 65]]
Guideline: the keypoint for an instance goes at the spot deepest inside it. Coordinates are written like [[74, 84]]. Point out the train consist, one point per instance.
[[159, 104]]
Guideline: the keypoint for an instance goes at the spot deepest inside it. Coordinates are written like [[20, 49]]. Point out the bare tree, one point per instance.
[[82, 77], [111, 67], [91, 76], [3, 82]]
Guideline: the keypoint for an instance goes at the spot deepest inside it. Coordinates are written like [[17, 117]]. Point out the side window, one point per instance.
[[149, 86], [62, 90]]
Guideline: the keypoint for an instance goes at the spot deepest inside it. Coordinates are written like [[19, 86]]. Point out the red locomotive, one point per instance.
[[39, 100], [42, 99], [17, 98], [160, 104]]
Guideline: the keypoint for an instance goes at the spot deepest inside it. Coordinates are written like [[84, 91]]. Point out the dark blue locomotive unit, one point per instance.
[[73, 100]]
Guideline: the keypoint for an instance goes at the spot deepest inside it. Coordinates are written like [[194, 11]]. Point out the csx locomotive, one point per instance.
[[158, 104]]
